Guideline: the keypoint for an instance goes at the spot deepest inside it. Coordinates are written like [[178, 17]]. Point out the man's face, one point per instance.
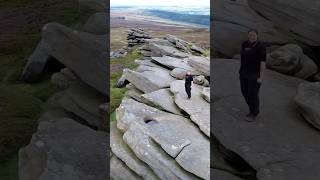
[[252, 36]]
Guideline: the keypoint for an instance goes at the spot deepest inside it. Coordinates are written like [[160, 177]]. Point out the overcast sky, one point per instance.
[[160, 2]]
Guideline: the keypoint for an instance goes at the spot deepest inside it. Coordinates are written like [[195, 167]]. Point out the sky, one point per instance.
[[160, 3]]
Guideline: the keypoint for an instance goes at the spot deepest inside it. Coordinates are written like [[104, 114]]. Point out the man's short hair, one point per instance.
[[253, 30]]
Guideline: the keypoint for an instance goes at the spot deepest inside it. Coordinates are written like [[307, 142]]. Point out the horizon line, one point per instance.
[[160, 5]]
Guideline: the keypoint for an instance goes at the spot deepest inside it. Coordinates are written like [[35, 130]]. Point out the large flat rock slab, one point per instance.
[[199, 63], [148, 151], [169, 139], [148, 79], [165, 50], [62, 149], [279, 144], [196, 107], [84, 53], [172, 62], [139, 81], [83, 102], [300, 17], [162, 99], [124, 153], [119, 170]]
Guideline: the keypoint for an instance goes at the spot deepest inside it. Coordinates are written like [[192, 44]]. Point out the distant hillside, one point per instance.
[[188, 18]]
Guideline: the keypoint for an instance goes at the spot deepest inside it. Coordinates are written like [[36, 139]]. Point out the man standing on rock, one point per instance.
[[187, 84], [253, 57]]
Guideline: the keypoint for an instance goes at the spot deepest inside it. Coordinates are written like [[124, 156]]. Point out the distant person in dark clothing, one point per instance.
[[253, 57], [187, 84]]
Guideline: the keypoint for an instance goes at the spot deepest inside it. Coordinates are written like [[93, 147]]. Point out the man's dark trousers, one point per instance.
[[187, 87], [250, 91]]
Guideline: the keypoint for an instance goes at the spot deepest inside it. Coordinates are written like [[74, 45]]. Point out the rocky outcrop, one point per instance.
[[291, 60], [184, 45], [166, 131], [201, 64], [71, 142], [73, 49], [137, 36], [274, 153]]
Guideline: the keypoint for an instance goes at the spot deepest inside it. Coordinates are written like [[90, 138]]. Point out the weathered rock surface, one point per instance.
[[176, 135], [291, 60], [97, 24], [137, 36], [174, 40], [147, 63], [158, 50], [308, 100], [148, 78], [178, 73], [201, 64], [133, 93], [122, 82], [197, 49], [119, 171], [161, 99], [172, 62], [197, 107], [278, 23], [274, 153], [206, 94], [62, 149], [141, 82], [234, 19], [64, 79], [73, 49], [82, 102], [157, 127], [201, 80], [70, 142], [123, 152], [298, 16]]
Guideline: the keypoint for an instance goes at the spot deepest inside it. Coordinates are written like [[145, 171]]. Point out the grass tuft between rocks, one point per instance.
[[116, 67]]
